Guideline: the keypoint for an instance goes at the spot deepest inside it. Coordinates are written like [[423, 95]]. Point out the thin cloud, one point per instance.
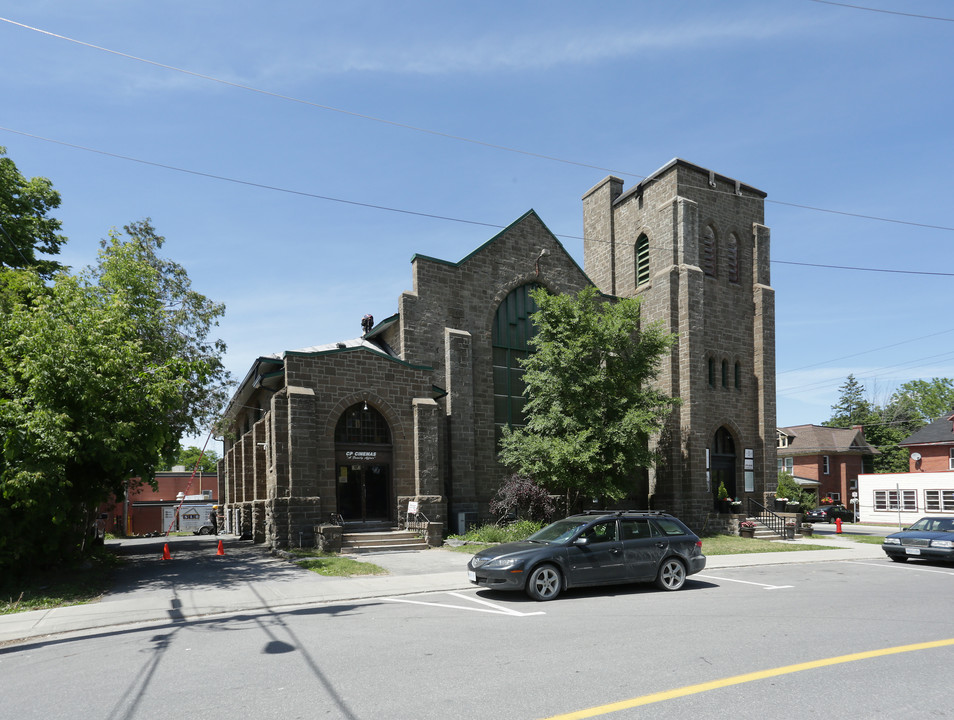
[[539, 51]]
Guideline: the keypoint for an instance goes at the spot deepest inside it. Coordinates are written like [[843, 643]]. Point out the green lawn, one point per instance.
[[735, 545], [334, 565]]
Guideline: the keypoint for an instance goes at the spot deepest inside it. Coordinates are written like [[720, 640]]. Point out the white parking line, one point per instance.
[[491, 607], [899, 566], [746, 582]]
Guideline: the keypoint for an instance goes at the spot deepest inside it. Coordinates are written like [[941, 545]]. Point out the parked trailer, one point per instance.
[[191, 518]]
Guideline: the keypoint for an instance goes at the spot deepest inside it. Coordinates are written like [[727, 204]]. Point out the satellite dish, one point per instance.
[[915, 456]]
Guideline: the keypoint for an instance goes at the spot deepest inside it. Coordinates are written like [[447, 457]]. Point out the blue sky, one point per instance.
[[480, 112]]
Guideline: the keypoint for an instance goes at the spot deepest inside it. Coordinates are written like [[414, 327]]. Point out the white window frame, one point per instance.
[[950, 461], [826, 465], [939, 501], [786, 464], [887, 501]]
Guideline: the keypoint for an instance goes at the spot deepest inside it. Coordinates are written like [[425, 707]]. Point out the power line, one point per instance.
[[887, 12], [372, 206], [428, 131], [249, 183], [865, 352], [873, 374], [290, 98], [861, 269]]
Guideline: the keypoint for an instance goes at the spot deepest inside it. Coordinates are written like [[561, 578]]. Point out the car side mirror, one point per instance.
[[582, 541]]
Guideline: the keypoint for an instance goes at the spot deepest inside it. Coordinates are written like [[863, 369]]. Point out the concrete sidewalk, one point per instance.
[[196, 582]]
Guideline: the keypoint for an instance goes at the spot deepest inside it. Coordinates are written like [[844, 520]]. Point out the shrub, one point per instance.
[[520, 530], [520, 497]]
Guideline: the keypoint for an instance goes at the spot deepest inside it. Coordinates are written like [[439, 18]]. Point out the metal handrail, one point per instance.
[[418, 524], [775, 523]]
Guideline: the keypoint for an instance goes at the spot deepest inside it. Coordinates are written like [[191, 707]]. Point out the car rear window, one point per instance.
[[669, 527]]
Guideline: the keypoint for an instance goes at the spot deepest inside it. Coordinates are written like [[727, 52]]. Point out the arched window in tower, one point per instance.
[[511, 332], [711, 369], [732, 257], [642, 260], [738, 375], [725, 373], [709, 251]]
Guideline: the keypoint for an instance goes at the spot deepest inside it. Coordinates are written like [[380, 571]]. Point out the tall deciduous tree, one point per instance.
[[25, 225], [929, 398], [188, 457], [100, 374], [592, 404]]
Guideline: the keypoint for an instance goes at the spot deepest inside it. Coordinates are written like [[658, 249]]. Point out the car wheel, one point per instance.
[[672, 575], [898, 558], [204, 531], [544, 583]]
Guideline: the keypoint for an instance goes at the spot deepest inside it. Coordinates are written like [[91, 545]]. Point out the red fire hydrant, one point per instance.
[[838, 526]]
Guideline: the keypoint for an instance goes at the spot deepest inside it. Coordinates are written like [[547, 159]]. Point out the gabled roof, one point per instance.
[[823, 440], [939, 432], [530, 215]]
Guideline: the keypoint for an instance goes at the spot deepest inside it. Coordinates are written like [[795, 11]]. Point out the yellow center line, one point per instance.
[[747, 677]]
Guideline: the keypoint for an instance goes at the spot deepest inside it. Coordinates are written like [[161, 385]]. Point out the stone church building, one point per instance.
[[412, 410]]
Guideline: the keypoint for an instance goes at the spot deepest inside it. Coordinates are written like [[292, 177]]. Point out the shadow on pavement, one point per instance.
[[194, 564]]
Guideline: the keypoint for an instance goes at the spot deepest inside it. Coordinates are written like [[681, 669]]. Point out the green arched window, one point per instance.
[[511, 332]]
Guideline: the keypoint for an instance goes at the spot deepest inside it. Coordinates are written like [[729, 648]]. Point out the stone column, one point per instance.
[[766, 471], [462, 455], [426, 451]]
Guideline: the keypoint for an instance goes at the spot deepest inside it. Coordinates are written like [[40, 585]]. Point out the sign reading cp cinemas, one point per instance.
[[361, 455]]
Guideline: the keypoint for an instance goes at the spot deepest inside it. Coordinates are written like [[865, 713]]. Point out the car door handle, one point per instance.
[[660, 544]]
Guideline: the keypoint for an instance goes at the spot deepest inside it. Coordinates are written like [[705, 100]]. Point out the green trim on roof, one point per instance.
[[381, 326], [335, 351]]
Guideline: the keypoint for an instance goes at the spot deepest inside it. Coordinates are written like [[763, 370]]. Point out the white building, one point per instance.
[[904, 497]]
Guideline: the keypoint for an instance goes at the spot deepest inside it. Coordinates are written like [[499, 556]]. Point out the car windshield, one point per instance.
[[934, 525], [560, 531]]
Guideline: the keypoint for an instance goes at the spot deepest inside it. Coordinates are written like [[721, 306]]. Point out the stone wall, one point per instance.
[[446, 321]]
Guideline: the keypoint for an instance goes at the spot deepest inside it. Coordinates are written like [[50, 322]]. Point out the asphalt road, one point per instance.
[[761, 639]]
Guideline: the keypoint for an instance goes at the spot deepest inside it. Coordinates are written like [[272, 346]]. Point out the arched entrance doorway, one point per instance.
[[363, 464], [722, 463]]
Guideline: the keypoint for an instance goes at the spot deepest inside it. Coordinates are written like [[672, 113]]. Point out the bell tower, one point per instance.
[[692, 245]]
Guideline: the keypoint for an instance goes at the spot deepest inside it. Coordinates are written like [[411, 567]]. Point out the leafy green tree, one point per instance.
[[100, 375], [189, 456], [25, 226], [592, 404], [929, 398], [788, 488]]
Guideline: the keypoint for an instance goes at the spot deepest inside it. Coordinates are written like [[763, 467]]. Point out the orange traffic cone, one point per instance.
[[165, 552], [221, 550]]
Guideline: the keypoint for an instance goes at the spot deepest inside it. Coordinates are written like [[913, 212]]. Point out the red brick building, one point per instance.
[[825, 458], [932, 447], [142, 511]]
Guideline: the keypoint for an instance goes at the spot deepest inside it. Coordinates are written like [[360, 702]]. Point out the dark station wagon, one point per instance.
[[594, 548]]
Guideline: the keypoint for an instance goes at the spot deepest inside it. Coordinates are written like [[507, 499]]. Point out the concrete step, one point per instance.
[[395, 540]]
